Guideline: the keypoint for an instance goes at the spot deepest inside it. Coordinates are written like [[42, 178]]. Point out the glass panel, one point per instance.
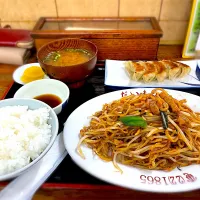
[[97, 25], [50, 26]]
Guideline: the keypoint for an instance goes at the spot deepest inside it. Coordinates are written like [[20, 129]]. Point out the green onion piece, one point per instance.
[[133, 121], [164, 119]]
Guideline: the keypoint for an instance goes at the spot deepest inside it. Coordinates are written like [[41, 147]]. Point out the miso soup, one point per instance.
[[67, 57]]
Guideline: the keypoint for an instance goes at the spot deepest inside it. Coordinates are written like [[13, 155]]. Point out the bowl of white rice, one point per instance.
[[28, 129]]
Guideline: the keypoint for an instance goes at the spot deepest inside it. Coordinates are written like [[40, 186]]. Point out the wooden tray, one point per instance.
[[132, 38], [70, 191], [6, 80]]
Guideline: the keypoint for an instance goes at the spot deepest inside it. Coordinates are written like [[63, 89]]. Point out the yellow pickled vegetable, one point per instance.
[[31, 74]]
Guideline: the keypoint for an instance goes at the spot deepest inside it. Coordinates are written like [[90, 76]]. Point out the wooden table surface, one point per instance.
[[90, 192]]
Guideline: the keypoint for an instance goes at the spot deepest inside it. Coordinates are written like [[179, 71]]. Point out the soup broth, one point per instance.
[[67, 57]]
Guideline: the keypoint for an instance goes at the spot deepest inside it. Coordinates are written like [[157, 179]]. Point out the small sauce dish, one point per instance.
[[52, 92]]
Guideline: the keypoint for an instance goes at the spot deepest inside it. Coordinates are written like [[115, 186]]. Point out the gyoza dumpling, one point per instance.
[[174, 70], [129, 68], [185, 69], [162, 71], [135, 70], [150, 71], [139, 71]]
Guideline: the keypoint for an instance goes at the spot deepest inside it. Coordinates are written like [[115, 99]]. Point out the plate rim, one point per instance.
[[96, 175]]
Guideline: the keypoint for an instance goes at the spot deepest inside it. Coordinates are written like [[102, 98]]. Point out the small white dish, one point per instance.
[[20, 70], [45, 86]]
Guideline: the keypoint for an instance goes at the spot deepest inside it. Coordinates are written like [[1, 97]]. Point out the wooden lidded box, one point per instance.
[[135, 38]]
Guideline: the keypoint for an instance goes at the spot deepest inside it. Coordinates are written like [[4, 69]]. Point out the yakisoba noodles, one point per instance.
[[152, 147]]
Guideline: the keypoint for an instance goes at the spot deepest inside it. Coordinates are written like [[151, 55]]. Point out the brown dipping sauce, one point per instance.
[[50, 99]]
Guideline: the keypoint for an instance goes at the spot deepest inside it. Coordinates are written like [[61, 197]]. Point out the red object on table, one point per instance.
[[15, 38]]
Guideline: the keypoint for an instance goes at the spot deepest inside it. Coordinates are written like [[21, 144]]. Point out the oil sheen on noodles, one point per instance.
[[156, 146]]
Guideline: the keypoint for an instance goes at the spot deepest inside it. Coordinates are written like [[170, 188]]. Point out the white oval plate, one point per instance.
[[134, 178], [20, 70]]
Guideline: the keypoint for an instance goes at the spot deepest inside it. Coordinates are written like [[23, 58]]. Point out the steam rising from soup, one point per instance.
[[67, 57]]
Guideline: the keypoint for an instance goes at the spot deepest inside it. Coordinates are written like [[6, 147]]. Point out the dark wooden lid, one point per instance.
[[128, 27]]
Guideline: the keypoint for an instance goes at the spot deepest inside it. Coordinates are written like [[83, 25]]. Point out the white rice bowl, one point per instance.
[[28, 129]]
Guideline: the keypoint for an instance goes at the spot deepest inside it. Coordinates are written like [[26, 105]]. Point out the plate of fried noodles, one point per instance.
[[144, 139]]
